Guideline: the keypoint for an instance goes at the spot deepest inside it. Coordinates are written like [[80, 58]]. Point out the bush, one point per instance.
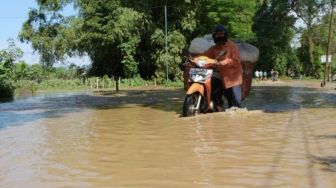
[[61, 84], [24, 86], [173, 84], [6, 89], [136, 81]]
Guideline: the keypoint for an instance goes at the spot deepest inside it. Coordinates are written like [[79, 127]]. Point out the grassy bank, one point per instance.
[[93, 83]]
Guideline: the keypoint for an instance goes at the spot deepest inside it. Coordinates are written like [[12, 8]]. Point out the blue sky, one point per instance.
[[12, 15]]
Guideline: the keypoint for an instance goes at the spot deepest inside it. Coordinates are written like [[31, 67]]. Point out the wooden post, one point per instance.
[[117, 83], [97, 83], [328, 47]]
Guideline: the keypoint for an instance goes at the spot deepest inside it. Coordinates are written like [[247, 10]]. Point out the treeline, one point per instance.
[[127, 38], [16, 74], [18, 77]]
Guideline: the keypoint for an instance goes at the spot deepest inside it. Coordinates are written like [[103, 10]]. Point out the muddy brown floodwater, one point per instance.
[[136, 138]]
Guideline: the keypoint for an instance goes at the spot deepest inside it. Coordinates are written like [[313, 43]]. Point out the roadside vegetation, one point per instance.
[[127, 43], [18, 77]]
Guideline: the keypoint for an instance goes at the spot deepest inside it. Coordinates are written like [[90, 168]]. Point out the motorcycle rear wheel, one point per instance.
[[190, 104]]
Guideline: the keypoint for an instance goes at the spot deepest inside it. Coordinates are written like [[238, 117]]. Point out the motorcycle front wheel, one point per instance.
[[190, 104]]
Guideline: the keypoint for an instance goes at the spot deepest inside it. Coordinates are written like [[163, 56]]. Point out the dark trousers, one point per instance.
[[216, 92], [233, 96]]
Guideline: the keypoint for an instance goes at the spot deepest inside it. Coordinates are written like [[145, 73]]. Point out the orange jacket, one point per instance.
[[230, 68]]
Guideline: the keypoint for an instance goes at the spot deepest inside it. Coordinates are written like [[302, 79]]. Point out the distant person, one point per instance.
[[260, 75], [256, 74], [276, 75], [273, 75], [265, 75]]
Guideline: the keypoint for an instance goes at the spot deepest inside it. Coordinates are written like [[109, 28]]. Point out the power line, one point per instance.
[[12, 17]]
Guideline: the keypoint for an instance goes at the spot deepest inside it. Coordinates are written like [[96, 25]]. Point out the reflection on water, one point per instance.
[[137, 139]]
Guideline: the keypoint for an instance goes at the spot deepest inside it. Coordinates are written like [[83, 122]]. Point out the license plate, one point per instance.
[[198, 71]]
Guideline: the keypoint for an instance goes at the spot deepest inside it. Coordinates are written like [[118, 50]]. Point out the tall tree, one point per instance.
[[45, 29], [309, 12], [236, 15], [127, 37], [110, 34], [7, 75], [273, 27]]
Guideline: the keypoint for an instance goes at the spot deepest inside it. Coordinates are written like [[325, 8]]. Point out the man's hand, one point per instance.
[[223, 62]]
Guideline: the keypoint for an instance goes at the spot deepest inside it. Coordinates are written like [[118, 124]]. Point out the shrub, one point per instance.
[[6, 89]]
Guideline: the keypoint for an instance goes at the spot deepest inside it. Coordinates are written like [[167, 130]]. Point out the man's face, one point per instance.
[[220, 38], [219, 34]]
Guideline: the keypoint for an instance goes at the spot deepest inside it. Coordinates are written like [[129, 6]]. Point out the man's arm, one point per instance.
[[233, 56]]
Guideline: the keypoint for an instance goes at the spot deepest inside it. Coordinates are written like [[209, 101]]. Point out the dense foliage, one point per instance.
[[126, 38], [22, 78], [7, 75]]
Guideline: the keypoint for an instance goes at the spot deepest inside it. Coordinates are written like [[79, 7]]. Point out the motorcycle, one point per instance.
[[198, 73]]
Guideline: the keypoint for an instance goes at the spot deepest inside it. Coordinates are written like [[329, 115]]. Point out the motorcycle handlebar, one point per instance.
[[209, 64]]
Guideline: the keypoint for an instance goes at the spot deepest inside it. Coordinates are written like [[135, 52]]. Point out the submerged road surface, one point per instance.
[[286, 137]]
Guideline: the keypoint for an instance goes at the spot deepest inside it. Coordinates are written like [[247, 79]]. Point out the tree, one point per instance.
[[236, 15], [21, 69], [46, 29], [125, 37], [170, 58], [7, 75], [273, 27], [109, 34], [154, 59], [309, 11]]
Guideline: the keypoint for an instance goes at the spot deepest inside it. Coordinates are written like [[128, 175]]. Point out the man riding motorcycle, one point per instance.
[[229, 74]]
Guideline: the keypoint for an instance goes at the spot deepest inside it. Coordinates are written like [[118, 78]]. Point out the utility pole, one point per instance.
[[328, 47], [166, 34], [329, 40]]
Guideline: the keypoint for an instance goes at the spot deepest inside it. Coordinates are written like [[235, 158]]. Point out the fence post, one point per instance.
[[97, 83], [103, 80]]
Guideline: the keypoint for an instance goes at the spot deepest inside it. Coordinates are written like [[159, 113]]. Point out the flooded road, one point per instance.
[[136, 138]]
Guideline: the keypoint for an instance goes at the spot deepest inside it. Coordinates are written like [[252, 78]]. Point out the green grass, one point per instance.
[[28, 86]]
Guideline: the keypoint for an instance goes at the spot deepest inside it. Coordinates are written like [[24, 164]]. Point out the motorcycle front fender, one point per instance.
[[196, 87]]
